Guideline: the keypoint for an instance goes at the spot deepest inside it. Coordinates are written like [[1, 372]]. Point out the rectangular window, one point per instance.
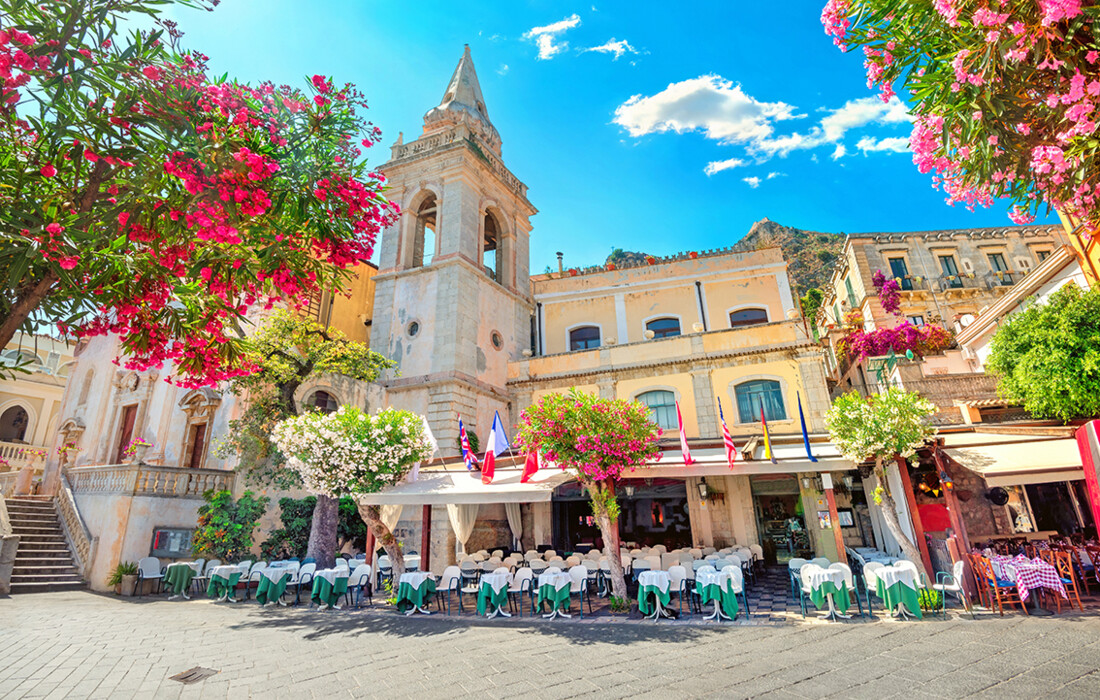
[[900, 270], [1001, 274], [1042, 255], [198, 446], [836, 314], [125, 431], [916, 320], [851, 292], [950, 270]]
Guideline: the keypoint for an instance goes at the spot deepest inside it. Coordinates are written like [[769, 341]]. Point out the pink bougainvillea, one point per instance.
[[922, 340], [888, 296], [1004, 94]]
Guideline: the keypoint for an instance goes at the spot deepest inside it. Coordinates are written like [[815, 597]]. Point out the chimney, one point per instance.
[[561, 268]]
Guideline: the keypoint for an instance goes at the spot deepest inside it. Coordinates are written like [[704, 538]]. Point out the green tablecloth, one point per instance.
[[178, 577], [558, 597], [644, 592], [899, 593], [328, 594], [408, 597], [268, 590], [841, 599], [711, 592], [486, 597], [219, 587]]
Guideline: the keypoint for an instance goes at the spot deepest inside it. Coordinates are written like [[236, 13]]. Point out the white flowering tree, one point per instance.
[[881, 427], [349, 452]]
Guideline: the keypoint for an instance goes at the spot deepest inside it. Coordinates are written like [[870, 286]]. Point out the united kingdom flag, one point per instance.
[[468, 455]]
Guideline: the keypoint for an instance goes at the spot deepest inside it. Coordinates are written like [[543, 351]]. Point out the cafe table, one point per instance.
[[414, 592], [653, 584], [223, 579], [328, 586], [1030, 575], [178, 577], [897, 586], [554, 588], [718, 587], [493, 592], [828, 586], [273, 582]]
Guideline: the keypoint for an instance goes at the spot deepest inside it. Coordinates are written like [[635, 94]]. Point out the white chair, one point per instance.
[[952, 583], [498, 553], [639, 565], [659, 549], [579, 586], [522, 585], [385, 569], [304, 577], [823, 562], [669, 560], [538, 566], [487, 566], [501, 570], [757, 552], [556, 561], [359, 582], [737, 585], [870, 580], [255, 575], [479, 557], [849, 581], [699, 564], [654, 562], [552, 570], [469, 570], [573, 560], [678, 584], [906, 564], [695, 553], [804, 580], [203, 578], [149, 569], [709, 550], [450, 582], [245, 566], [794, 566], [549, 554]]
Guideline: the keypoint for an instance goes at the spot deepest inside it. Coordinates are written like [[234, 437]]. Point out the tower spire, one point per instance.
[[463, 103]]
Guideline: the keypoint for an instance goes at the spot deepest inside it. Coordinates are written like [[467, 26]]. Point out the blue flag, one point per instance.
[[805, 434]]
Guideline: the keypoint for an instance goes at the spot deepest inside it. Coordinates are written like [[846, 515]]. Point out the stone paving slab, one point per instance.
[[82, 645]]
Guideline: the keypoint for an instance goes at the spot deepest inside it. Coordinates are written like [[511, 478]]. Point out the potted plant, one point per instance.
[[124, 578], [610, 266], [650, 260], [693, 255], [573, 272], [135, 451]]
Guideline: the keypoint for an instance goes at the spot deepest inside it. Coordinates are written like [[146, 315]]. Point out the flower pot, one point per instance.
[[610, 266], [693, 255], [139, 454], [573, 272], [128, 585], [650, 260]]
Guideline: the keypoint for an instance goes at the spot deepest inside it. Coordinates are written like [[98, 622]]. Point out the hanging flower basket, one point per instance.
[[693, 255]]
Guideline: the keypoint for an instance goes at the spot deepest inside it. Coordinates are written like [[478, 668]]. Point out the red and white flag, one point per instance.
[[683, 438], [731, 449], [497, 443], [530, 467]]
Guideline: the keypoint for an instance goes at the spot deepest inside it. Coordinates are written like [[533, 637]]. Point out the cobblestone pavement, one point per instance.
[[79, 644]]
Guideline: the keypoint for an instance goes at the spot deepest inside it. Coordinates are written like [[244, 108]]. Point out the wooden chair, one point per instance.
[[1063, 562], [1093, 553], [1079, 567], [1002, 591], [985, 598]]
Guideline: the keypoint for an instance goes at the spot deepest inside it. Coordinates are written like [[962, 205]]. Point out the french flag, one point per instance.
[[497, 443], [468, 455]]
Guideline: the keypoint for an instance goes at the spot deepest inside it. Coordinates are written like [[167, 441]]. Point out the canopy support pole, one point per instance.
[[426, 540]]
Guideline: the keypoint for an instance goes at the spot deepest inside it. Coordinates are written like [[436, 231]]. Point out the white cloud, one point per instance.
[[546, 37], [868, 144], [614, 47], [754, 182], [503, 70], [861, 112], [710, 104], [720, 165], [839, 152], [775, 175]]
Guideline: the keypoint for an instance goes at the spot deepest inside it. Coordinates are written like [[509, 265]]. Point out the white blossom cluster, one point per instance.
[[350, 451], [894, 422]]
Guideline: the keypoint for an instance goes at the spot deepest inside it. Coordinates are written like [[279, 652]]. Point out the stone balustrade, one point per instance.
[[7, 483], [461, 133], [81, 542], [147, 480], [18, 455]]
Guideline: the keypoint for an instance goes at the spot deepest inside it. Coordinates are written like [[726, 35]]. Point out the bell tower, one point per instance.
[[453, 302]]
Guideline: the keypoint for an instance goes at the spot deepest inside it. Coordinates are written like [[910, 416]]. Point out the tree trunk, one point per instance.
[[890, 515], [609, 528], [24, 306], [382, 535], [322, 531]]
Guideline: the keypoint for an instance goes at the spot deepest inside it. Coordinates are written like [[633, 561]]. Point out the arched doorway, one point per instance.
[[13, 424]]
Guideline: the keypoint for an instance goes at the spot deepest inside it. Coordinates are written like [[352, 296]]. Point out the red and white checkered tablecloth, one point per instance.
[[1030, 574]]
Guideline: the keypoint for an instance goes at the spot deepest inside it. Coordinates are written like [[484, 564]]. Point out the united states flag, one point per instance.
[[731, 449]]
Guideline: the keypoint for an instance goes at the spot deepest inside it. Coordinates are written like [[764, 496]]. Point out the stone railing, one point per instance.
[[5, 519], [146, 480], [7, 483], [17, 455], [81, 543], [461, 133]]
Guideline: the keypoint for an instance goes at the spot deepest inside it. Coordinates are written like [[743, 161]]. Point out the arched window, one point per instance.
[[762, 393], [323, 401], [424, 235], [13, 424], [584, 338], [12, 358], [491, 257], [664, 327], [748, 317], [663, 406]]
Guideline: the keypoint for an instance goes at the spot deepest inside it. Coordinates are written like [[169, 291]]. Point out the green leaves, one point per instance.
[[881, 425]]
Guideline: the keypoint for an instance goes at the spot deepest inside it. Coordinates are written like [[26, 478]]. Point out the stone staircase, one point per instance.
[[43, 561]]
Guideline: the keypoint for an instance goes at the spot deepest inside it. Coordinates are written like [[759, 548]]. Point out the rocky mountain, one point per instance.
[[809, 254]]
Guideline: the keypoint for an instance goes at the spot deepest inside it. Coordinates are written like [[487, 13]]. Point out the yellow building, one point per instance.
[[30, 395]]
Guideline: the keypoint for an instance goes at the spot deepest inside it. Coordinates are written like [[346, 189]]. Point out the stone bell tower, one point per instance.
[[453, 302]]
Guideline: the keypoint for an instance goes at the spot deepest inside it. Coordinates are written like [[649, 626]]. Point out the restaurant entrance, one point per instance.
[[779, 516], [652, 511]]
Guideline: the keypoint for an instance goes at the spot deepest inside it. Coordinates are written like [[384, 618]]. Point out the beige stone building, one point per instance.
[[30, 397]]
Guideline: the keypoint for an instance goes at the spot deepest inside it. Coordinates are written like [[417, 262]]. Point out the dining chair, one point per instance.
[[793, 567], [737, 585], [579, 586], [1063, 563], [304, 577], [1002, 590], [522, 588], [677, 576], [870, 582], [450, 582], [952, 583], [358, 584], [149, 569], [849, 581]]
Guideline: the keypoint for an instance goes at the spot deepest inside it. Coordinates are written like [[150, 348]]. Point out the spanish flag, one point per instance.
[[767, 438]]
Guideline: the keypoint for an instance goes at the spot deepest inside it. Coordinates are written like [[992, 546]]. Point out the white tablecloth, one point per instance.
[[415, 579], [226, 571], [889, 575], [708, 578], [557, 580], [498, 582], [331, 575], [275, 572], [818, 576], [658, 579]]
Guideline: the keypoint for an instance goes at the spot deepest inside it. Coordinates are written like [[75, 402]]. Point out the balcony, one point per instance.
[[148, 480]]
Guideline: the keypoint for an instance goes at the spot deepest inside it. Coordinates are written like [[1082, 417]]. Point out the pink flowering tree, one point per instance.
[[1004, 92], [141, 197], [596, 440]]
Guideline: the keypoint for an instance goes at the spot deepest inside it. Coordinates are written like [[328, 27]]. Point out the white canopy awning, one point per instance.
[[1017, 463], [441, 487]]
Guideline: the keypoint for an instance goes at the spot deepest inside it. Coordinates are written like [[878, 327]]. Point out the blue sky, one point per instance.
[[615, 141]]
